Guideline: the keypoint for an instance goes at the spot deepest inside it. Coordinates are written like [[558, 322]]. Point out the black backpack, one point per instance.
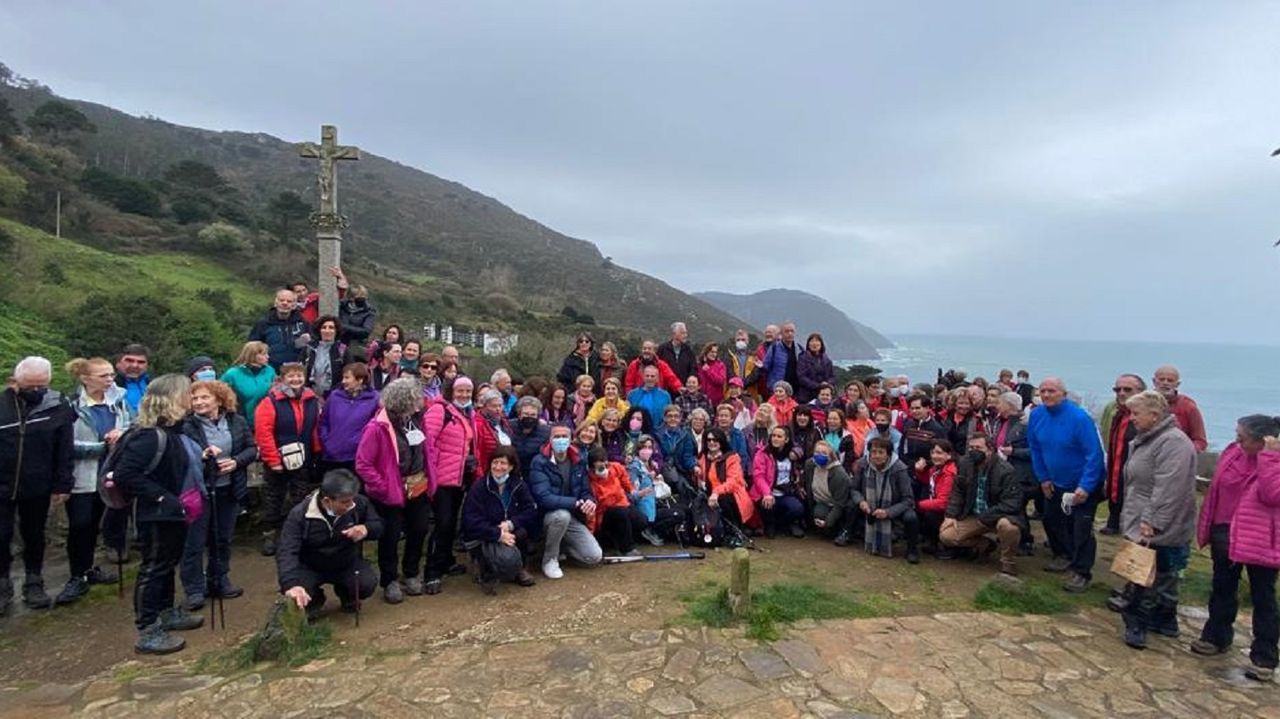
[[112, 494]]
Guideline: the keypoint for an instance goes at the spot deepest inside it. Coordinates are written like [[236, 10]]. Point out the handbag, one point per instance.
[[293, 456], [415, 485], [1135, 563]]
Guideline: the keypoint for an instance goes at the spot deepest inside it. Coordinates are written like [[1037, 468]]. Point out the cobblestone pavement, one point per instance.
[[944, 665]]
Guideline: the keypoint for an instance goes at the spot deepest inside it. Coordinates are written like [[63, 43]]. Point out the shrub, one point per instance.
[[221, 237]]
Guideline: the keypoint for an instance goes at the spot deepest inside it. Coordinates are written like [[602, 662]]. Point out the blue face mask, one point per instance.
[[501, 479], [206, 375], [820, 459], [559, 445], [462, 405]]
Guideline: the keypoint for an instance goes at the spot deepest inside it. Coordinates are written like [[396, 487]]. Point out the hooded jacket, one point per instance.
[[1160, 485], [251, 385], [450, 440], [378, 461], [342, 420], [1254, 539], [575, 365], [312, 543], [357, 320], [90, 450], [37, 446]]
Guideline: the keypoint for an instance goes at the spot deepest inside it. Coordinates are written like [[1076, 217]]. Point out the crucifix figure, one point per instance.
[[327, 221]]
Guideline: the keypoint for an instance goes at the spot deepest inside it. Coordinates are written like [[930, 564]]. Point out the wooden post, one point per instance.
[[740, 582]]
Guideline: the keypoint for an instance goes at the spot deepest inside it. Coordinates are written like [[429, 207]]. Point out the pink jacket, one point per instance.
[[378, 461], [1253, 526], [1230, 480], [712, 378], [764, 470], [448, 444]]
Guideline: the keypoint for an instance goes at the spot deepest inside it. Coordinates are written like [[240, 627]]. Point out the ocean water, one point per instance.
[[1227, 381]]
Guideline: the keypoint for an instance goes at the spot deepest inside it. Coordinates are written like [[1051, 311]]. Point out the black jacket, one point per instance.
[[311, 542], [575, 366], [154, 495], [528, 444], [283, 336], [685, 366], [1020, 459], [244, 450], [482, 511], [338, 358], [356, 320], [917, 437], [1004, 493], [37, 446]]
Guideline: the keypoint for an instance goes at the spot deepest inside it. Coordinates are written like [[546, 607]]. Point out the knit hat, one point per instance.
[[463, 381], [197, 363], [735, 381]]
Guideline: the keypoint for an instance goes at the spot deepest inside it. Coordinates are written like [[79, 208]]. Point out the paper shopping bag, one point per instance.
[[1135, 563]]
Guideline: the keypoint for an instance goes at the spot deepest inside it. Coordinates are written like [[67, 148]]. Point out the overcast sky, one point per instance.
[[1076, 170]]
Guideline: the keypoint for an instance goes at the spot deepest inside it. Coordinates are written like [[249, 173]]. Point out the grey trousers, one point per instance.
[[561, 528]]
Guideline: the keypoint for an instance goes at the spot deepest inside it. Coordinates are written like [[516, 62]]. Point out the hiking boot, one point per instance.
[[392, 593], [269, 543], [1118, 601], [1260, 674], [946, 554], [75, 588], [156, 640], [1058, 565], [1026, 550], [524, 578], [433, 587], [797, 531], [913, 556], [1077, 584], [489, 585], [1165, 623], [6, 596], [1135, 636], [227, 590], [842, 539], [1009, 569], [413, 586], [194, 603], [33, 594], [651, 537], [1208, 649], [552, 569], [457, 570], [179, 619], [98, 575]]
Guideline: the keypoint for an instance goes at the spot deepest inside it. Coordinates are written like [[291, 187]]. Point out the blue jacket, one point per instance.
[[641, 479], [654, 401], [283, 336], [775, 362], [544, 479], [528, 444], [1065, 448], [133, 389], [484, 509], [678, 447], [738, 443]]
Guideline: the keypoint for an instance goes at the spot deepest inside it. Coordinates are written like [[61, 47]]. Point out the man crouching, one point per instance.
[[320, 544]]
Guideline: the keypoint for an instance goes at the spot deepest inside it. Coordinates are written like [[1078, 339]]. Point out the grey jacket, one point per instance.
[[1160, 485], [89, 447], [862, 484]]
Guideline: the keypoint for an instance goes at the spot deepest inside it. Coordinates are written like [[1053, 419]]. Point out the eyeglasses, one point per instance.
[[431, 366], [1126, 390]]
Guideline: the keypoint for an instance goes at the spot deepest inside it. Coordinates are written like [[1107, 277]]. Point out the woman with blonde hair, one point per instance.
[[611, 365], [102, 416], [228, 448], [250, 377], [154, 488], [612, 399]]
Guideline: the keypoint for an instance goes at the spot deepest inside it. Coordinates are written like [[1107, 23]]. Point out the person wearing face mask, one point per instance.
[[647, 482], [740, 361], [612, 399], [286, 427], [562, 490], [882, 418], [528, 434], [826, 490], [986, 499], [228, 450], [775, 485], [37, 469], [392, 461], [617, 519], [102, 417], [320, 544], [357, 316], [451, 465], [201, 369], [324, 357], [499, 519]]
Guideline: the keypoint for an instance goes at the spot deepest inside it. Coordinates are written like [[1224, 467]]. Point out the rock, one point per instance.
[[671, 703], [649, 638], [801, 656], [777, 708], [282, 628], [826, 710], [954, 709], [569, 660], [897, 696], [48, 695], [640, 685], [722, 692], [681, 666], [766, 664]]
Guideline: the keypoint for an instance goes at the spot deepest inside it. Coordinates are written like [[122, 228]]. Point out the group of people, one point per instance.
[[376, 440]]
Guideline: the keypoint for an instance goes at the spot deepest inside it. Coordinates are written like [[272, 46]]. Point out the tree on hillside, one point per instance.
[[191, 173], [124, 194], [286, 209], [59, 122], [9, 126]]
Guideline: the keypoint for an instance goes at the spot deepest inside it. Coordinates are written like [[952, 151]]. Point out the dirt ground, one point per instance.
[[96, 634]]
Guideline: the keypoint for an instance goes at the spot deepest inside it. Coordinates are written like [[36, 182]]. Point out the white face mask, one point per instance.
[[740, 344]]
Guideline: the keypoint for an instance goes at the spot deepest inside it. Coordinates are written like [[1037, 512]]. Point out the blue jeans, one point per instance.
[[219, 519]]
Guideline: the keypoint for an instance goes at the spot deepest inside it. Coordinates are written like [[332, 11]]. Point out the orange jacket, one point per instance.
[[731, 485], [612, 490]]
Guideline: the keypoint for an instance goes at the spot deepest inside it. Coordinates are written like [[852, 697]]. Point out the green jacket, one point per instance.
[[250, 386]]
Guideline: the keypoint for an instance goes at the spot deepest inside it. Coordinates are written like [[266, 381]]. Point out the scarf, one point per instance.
[[879, 532]]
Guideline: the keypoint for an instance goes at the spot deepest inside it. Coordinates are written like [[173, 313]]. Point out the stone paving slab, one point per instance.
[[954, 665]]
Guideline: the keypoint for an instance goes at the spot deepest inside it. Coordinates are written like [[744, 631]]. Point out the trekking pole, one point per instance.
[[356, 593], [213, 579]]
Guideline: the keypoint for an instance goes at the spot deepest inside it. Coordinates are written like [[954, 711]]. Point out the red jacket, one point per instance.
[[714, 378], [1187, 414], [942, 477], [487, 441], [264, 424], [667, 379]]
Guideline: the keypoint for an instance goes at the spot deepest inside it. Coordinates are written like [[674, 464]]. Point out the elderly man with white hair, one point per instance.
[[1009, 432], [678, 353], [37, 444], [1066, 455], [501, 381]]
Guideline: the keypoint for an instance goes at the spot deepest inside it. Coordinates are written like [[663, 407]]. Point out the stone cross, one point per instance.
[[327, 221]]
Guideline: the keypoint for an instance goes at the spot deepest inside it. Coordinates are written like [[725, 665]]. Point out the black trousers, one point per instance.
[[1031, 493], [281, 491], [162, 547], [115, 529], [621, 525], [931, 525], [1071, 535], [446, 504], [413, 520], [1223, 604], [347, 583], [31, 515], [84, 516]]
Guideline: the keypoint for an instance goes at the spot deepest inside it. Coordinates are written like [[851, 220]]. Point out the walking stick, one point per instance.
[[356, 593], [213, 578]]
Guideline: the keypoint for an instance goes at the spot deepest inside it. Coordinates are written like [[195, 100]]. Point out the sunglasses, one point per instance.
[[1126, 390], [430, 366]]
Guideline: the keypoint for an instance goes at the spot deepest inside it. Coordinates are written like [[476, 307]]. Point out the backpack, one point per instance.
[[112, 494]]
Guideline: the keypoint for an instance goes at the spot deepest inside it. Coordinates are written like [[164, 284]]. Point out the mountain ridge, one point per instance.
[[845, 337]]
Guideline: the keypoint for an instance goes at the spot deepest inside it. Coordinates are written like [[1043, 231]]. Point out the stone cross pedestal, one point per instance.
[[327, 221]]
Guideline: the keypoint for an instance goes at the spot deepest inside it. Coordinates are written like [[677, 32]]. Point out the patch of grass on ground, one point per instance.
[[781, 603], [311, 642], [1026, 597]]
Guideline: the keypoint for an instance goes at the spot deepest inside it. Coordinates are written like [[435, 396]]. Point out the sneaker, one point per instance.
[[1208, 649], [178, 619], [269, 544], [392, 593], [98, 575], [433, 587], [842, 539], [525, 579], [194, 603], [75, 588], [552, 570], [651, 537], [1135, 636], [33, 594], [1259, 674], [155, 639], [634, 553], [1118, 601], [1058, 565], [227, 590], [1077, 584], [413, 586], [913, 556]]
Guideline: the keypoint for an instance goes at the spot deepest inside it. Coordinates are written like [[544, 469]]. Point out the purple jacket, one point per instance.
[[1253, 526], [342, 421], [812, 371]]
